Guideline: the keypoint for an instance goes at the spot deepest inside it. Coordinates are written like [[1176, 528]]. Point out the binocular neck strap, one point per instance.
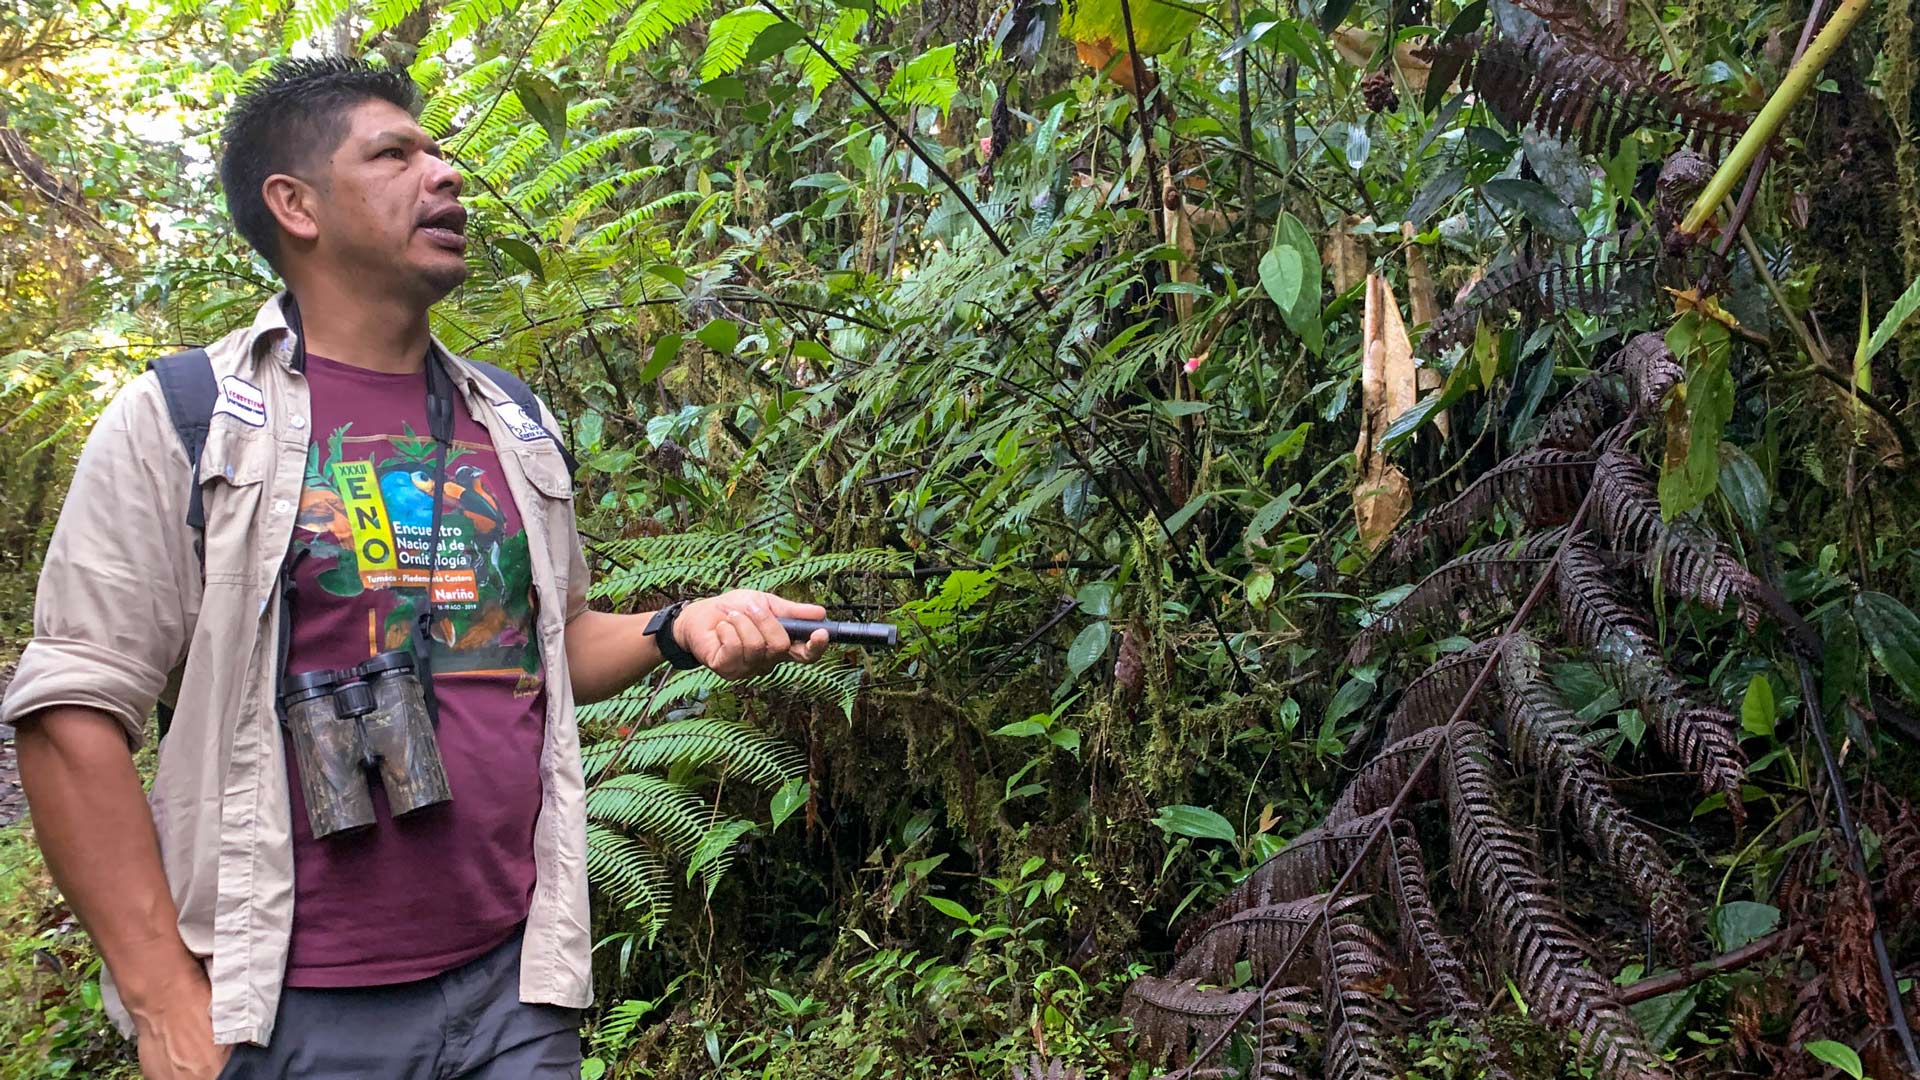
[[440, 424]]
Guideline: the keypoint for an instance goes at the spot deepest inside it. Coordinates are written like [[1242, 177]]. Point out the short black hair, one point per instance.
[[284, 121]]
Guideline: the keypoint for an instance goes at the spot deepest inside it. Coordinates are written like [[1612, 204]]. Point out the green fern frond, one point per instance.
[[309, 19], [838, 683], [928, 79], [712, 857], [387, 14], [744, 750], [815, 567], [620, 229], [729, 38], [841, 41], [465, 91], [568, 167], [462, 19], [650, 23], [571, 24], [646, 803], [632, 873]]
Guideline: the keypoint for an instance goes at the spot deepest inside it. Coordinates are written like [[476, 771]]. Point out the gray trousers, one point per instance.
[[467, 1024]]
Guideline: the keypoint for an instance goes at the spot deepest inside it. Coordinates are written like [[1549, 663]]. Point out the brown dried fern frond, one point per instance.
[[1378, 781], [1698, 736], [1684, 558], [1651, 371], [1306, 867], [1540, 280], [1543, 735], [1548, 957], [1260, 936], [1429, 700], [1422, 938], [1170, 1015], [1465, 583], [1542, 487], [1280, 1027], [1048, 1069], [1587, 89], [1355, 969]]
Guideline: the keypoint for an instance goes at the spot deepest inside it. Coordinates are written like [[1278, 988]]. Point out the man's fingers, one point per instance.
[[813, 648], [729, 638], [787, 609], [776, 637], [752, 641]]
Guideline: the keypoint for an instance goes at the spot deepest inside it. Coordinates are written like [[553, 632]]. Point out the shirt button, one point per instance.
[[297, 422], [281, 506]]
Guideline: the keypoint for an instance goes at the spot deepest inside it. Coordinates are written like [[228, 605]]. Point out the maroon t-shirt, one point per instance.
[[414, 896]]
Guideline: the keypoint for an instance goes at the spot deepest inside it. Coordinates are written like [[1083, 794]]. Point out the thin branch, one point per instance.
[[899, 132]]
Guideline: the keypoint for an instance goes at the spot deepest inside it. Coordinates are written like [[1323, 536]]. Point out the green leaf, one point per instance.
[[1270, 515], [790, 798], [1538, 205], [522, 252], [1839, 1055], [1020, 729], [1893, 634], [1665, 1016], [1744, 486], [773, 41], [1090, 646], [1743, 921], [1195, 821], [1756, 709], [952, 910], [545, 103], [1066, 739], [1898, 314], [665, 348], [1185, 514], [1691, 469], [720, 335], [1290, 274]]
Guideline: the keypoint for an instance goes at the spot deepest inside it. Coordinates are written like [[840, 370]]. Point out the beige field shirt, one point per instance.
[[123, 618]]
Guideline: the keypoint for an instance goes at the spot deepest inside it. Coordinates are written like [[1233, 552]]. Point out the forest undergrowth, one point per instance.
[[1401, 520]]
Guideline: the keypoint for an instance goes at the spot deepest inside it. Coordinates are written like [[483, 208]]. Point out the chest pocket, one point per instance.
[[233, 472], [551, 515]]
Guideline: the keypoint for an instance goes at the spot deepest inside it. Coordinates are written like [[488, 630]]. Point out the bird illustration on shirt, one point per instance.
[[467, 492]]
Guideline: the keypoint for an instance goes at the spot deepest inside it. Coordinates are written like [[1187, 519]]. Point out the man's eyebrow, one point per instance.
[[408, 138]]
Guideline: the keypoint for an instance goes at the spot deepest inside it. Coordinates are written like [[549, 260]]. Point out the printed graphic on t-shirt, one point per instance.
[[368, 508]]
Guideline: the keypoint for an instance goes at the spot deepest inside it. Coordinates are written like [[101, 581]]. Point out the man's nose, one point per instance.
[[445, 179]]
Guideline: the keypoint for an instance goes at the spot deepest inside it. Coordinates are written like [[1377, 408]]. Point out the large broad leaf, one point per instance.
[[1691, 470], [1156, 27], [1089, 646], [545, 102], [1893, 634], [1195, 821], [1290, 274], [1538, 205]]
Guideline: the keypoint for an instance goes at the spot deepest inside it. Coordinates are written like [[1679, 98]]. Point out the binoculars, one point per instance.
[[345, 723]]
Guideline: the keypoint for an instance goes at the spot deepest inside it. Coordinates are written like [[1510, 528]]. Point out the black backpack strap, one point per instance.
[[521, 394], [187, 384]]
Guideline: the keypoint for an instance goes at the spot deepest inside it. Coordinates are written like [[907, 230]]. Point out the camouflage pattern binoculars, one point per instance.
[[369, 717]]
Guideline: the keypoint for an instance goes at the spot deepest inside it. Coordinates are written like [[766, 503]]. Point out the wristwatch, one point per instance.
[[660, 628]]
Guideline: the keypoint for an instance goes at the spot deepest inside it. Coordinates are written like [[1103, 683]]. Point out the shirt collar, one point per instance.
[[272, 337]]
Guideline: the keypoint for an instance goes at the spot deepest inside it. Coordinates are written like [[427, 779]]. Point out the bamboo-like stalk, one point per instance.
[[1774, 114]]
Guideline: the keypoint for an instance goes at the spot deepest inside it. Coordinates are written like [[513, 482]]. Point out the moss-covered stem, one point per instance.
[[1774, 113]]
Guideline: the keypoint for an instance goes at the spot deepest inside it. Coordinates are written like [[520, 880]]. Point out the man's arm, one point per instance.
[[91, 819], [112, 617], [737, 634]]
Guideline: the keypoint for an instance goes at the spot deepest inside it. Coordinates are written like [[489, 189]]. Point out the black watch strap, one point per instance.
[[660, 627]]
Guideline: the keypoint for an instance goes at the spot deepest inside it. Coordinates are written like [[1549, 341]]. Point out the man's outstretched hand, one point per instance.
[[737, 634]]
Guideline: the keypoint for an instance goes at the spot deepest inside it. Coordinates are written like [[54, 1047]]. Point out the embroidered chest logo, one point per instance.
[[524, 427], [243, 401]]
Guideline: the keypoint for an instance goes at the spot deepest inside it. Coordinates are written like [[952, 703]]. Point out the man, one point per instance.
[[341, 521]]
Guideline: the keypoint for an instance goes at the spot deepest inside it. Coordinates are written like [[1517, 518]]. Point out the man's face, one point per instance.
[[388, 207]]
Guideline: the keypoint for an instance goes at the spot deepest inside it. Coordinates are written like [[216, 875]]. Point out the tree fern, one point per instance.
[[563, 171], [462, 19], [387, 14], [309, 19]]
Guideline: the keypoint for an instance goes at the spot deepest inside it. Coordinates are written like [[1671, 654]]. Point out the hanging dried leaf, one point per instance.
[[1387, 389], [1424, 304]]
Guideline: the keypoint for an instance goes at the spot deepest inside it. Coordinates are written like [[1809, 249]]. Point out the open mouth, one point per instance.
[[447, 228]]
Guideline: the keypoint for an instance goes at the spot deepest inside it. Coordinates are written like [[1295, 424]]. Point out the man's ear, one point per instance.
[[292, 201]]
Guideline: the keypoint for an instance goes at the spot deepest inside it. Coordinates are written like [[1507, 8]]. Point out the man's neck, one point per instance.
[[387, 334]]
